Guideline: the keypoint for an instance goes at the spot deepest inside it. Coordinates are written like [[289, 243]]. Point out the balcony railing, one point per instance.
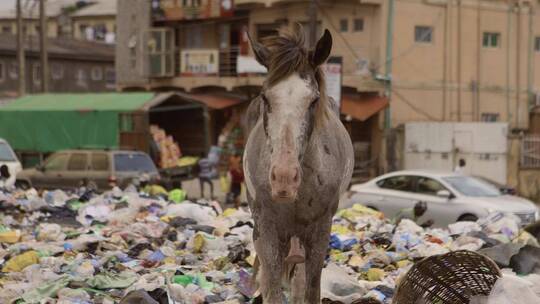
[[227, 61]]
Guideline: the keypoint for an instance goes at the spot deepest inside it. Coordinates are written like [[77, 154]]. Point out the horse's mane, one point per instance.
[[288, 54]]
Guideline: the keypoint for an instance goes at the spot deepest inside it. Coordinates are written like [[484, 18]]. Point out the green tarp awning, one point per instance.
[[52, 122]]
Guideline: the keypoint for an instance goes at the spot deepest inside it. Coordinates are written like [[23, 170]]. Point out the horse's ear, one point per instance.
[[322, 49], [260, 51]]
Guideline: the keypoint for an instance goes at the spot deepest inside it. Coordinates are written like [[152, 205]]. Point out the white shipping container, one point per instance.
[[440, 145]]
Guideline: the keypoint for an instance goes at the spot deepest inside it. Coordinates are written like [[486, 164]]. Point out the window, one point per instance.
[[423, 34], [133, 162], [429, 186], [77, 162], [491, 40], [472, 186], [100, 162], [490, 117], [161, 51], [358, 25], [344, 25], [97, 74], [57, 71], [110, 77], [2, 71], [36, 73], [57, 162], [13, 70], [82, 30], [530, 151], [6, 29], [81, 77], [267, 30], [399, 183], [6, 154], [537, 44]]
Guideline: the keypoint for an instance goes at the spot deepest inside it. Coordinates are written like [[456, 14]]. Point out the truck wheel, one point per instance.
[[468, 218]]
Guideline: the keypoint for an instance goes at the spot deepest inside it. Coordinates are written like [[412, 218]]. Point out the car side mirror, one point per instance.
[[444, 194]]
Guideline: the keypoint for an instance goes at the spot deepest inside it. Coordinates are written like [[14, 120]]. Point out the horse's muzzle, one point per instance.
[[284, 182]]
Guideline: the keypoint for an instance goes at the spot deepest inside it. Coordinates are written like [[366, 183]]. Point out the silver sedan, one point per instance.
[[450, 197]]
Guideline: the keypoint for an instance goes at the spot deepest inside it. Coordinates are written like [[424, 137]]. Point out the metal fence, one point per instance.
[[530, 151]]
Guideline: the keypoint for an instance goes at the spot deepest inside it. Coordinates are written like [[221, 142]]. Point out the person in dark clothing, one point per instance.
[[237, 178], [4, 175]]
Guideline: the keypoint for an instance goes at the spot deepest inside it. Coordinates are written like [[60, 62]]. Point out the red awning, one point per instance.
[[216, 102], [362, 108]]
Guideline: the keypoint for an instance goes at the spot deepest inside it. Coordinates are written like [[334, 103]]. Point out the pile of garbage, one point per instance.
[[129, 247]]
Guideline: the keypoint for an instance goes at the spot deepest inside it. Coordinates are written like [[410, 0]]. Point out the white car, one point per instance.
[[450, 197], [9, 158]]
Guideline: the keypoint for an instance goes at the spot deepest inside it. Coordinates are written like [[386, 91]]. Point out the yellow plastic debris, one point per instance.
[[375, 274], [228, 212], [340, 229], [20, 262], [403, 263], [10, 237], [251, 259], [198, 243]]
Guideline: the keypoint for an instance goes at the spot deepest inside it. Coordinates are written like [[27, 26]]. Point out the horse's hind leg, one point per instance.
[[298, 284], [271, 269]]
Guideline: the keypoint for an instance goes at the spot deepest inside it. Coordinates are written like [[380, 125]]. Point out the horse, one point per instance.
[[298, 159]]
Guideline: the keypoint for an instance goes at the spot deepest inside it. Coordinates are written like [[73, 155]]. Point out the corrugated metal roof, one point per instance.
[[61, 46], [362, 108], [100, 8], [79, 102]]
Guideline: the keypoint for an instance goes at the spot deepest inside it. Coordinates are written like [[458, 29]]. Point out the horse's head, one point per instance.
[[293, 96]]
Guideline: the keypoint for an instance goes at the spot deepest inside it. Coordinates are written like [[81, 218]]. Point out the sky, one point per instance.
[[7, 4]]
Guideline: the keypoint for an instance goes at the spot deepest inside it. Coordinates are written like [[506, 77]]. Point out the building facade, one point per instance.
[[74, 66], [85, 20], [433, 60]]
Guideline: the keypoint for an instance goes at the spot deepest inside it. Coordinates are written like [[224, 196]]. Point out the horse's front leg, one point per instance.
[[271, 260], [316, 252]]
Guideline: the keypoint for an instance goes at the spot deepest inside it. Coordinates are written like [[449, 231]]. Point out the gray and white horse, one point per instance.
[[298, 160]]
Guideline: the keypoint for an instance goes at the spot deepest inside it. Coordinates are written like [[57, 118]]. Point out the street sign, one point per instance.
[[333, 71]]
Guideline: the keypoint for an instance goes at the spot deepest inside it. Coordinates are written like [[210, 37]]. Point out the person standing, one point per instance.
[[237, 178], [460, 168], [207, 171]]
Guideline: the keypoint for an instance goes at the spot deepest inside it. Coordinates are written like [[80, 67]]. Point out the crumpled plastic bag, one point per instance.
[[199, 213], [337, 285], [46, 290], [19, 262], [50, 232], [110, 280], [463, 227], [509, 289], [465, 242]]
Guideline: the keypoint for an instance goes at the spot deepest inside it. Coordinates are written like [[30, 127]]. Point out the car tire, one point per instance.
[[23, 185], [468, 218]]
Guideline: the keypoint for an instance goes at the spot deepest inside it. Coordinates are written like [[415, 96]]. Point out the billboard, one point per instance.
[[191, 9], [199, 62]]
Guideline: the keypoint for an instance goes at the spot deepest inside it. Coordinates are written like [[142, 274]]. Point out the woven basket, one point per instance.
[[451, 278]]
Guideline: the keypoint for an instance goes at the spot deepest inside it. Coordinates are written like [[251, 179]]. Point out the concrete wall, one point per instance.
[[133, 22], [433, 81]]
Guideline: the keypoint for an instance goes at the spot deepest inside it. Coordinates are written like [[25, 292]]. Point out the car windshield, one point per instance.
[[133, 162], [471, 186], [6, 154]]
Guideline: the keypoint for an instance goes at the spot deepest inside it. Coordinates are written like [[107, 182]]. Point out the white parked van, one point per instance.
[[9, 158]]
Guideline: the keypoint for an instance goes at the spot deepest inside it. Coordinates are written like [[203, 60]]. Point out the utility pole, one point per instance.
[[43, 47], [388, 86], [312, 12], [20, 50]]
